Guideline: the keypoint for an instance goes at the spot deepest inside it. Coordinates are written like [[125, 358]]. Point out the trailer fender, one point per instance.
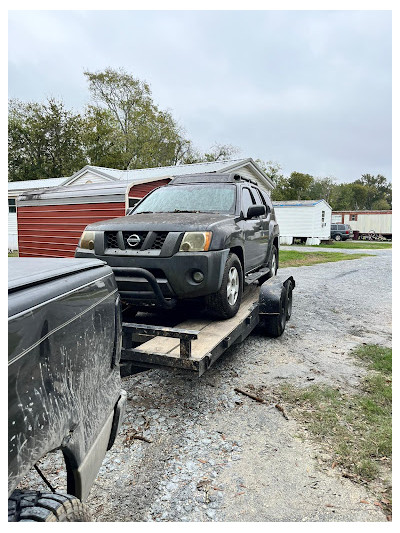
[[271, 292]]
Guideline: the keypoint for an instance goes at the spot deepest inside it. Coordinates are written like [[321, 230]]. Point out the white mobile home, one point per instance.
[[308, 220], [365, 222]]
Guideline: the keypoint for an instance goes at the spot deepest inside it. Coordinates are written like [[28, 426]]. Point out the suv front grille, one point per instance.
[[159, 240], [111, 240], [155, 243]]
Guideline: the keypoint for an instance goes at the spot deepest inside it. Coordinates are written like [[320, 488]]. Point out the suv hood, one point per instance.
[[162, 222]]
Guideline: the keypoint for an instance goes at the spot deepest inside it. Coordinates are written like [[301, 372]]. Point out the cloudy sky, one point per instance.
[[310, 90]]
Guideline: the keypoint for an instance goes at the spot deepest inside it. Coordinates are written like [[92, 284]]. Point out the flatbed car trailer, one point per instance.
[[195, 344]]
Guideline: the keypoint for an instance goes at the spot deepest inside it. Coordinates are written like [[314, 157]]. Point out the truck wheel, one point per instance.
[[337, 237], [274, 325], [273, 262], [36, 506], [226, 302]]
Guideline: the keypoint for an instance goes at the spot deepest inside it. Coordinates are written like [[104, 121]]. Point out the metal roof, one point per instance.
[[35, 184], [158, 172], [296, 203]]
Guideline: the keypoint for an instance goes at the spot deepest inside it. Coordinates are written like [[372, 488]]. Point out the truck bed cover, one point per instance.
[[44, 269]]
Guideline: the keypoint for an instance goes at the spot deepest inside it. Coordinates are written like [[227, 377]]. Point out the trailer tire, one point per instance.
[[274, 325], [36, 506], [232, 281]]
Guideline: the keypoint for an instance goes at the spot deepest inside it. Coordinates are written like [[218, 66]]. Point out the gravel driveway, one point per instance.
[[216, 455]]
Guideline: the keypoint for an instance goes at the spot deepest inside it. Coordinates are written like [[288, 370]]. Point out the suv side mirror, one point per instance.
[[256, 211]]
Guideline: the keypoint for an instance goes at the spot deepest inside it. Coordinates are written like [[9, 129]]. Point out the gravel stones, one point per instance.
[[219, 456]]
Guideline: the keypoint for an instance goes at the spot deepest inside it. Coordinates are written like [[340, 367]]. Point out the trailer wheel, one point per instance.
[[274, 325], [226, 302], [36, 506]]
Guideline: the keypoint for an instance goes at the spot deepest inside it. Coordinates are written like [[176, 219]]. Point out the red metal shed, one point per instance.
[[51, 220]]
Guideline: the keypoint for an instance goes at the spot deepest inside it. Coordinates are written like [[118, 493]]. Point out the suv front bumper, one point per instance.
[[174, 274]]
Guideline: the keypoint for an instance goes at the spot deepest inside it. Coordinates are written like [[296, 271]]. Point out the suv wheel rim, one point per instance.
[[232, 289], [273, 265]]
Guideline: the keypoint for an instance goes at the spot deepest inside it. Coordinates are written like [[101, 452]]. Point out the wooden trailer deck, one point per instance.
[[193, 344]]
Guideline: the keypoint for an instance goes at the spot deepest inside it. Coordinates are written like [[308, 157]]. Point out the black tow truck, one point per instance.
[[64, 384]]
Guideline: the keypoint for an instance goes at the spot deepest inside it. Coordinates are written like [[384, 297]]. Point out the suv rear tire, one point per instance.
[[226, 302], [338, 237]]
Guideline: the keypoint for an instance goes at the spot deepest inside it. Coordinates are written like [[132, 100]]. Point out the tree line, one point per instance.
[[366, 193], [123, 128]]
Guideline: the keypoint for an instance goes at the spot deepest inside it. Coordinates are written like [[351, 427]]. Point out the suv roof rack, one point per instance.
[[209, 177]]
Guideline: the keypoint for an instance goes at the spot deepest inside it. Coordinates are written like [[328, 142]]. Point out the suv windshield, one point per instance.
[[216, 198]]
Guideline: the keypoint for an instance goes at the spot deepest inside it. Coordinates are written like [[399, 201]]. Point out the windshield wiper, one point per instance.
[[183, 211]]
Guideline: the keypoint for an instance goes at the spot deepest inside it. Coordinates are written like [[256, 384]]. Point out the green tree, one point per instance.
[[44, 140], [139, 133], [377, 188]]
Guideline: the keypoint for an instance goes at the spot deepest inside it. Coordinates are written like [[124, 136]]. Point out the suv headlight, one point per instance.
[[87, 240], [196, 241]]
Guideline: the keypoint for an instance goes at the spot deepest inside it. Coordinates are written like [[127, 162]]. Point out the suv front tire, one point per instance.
[[226, 302]]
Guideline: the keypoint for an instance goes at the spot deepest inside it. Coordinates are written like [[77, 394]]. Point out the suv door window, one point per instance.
[[334, 226], [247, 200], [341, 227]]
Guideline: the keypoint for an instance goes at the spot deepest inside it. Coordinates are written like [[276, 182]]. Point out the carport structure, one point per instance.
[[51, 220]]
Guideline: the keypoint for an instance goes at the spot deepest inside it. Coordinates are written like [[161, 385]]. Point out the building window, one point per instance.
[[353, 218], [133, 201], [12, 207]]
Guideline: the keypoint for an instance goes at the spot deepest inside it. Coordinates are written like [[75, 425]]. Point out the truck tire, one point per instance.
[[226, 302], [274, 325], [36, 506]]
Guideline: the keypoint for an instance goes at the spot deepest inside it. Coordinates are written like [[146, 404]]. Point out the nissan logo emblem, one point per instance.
[[133, 240]]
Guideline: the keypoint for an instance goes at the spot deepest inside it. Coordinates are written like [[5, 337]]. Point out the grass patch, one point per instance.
[[12, 254], [357, 245], [377, 357], [292, 258], [354, 430]]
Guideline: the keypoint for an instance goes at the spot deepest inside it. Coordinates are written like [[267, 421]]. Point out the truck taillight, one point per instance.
[[347, 232]]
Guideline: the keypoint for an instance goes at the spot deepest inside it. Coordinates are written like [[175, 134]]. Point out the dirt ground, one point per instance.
[[213, 454]]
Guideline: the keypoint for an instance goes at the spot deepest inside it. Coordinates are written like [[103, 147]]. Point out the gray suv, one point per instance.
[[341, 232], [198, 236]]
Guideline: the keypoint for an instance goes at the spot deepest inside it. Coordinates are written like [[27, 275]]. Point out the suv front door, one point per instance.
[[255, 244]]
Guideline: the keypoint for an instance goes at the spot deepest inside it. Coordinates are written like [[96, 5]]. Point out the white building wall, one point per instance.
[[89, 177], [379, 222], [304, 221], [12, 231]]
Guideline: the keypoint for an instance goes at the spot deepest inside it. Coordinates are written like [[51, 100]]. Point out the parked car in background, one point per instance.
[[341, 232]]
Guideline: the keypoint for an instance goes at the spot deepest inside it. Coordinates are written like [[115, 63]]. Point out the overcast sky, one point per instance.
[[310, 90]]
